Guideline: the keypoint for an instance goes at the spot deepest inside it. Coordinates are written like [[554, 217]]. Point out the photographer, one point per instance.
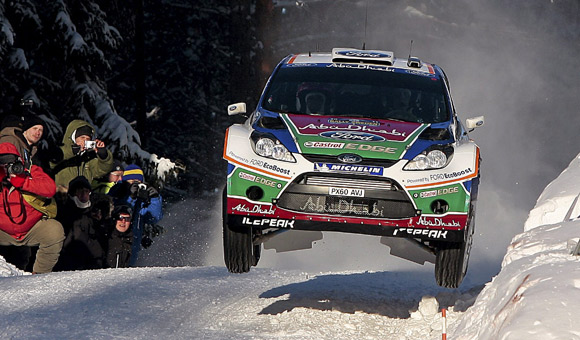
[[83, 156], [145, 201], [25, 133], [21, 223]]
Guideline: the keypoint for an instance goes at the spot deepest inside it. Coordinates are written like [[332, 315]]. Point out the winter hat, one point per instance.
[[133, 172], [84, 130], [117, 166], [30, 121], [80, 182]]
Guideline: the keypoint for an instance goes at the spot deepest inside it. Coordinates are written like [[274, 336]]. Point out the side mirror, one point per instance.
[[237, 108], [475, 122]]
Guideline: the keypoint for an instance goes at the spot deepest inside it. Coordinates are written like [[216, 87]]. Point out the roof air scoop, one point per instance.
[[414, 62], [349, 55]]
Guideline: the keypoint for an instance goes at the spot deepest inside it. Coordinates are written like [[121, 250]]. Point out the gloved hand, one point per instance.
[[18, 180], [102, 153], [133, 188], [152, 192]]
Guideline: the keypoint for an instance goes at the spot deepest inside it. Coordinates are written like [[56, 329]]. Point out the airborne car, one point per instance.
[[353, 141]]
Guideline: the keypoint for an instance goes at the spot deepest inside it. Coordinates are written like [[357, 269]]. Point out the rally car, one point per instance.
[[353, 141]]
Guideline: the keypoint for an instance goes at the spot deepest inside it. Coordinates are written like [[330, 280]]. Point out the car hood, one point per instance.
[[366, 137]]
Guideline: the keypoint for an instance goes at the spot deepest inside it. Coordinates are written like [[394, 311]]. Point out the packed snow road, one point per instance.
[[210, 303], [202, 300]]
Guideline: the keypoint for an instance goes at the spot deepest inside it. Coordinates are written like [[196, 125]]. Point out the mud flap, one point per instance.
[[409, 250], [293, 240]]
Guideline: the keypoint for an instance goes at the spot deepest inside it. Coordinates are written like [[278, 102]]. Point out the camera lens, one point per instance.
[[15, 168]]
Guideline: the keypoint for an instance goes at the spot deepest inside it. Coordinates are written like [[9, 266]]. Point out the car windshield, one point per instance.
[[355, 92]]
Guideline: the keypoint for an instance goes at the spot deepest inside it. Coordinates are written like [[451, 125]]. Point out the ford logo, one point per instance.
[[352, 135], [361, 54], [350, 158]]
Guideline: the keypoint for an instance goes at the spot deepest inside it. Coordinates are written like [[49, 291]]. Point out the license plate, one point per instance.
[[346, 192]]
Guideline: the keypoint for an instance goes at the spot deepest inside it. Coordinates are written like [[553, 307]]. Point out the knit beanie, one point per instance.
[[84, 130], [30, 121], [133, 172], [117, 166], [80, 182]]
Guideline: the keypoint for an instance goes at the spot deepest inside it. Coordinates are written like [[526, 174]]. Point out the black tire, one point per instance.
[[451, 264], [240, 254], [453, 258]]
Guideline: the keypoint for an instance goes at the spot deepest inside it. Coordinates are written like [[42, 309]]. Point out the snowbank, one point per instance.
[[559, 199], [536, 294], [7, 269]]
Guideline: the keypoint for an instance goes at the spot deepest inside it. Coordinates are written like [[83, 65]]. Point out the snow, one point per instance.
[[536, 293], [534, 296]]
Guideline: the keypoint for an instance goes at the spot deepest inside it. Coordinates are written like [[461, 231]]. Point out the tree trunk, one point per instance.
[[141, 111]]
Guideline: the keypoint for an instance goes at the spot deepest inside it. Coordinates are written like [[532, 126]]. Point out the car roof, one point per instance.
[[365, 59]]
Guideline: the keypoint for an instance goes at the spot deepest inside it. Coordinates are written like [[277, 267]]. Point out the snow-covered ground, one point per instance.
[[537, 293], [535, 296]]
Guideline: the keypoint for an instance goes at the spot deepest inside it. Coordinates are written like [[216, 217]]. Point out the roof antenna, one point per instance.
[[366, 20], [411, 49]]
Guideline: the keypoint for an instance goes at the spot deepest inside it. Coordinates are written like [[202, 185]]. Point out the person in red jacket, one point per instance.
[[20, 223]]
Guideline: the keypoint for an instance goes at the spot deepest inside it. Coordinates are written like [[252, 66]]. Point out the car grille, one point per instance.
[[383, 197], [355, 183]]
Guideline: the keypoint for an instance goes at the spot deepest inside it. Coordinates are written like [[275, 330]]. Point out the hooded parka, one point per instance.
[[88, 164], [15, 136]]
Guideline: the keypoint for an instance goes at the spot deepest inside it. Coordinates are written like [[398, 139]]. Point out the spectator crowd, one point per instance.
[[71, 207]]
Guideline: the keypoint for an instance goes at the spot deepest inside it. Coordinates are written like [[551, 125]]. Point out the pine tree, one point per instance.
[[57, 54]]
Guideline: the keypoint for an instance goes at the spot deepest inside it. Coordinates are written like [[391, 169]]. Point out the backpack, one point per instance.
[[45, 205]]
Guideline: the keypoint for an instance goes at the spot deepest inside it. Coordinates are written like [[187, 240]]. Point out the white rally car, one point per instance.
[[353, 141]]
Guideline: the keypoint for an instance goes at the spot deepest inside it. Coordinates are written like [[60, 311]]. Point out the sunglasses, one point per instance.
[[124, 218]]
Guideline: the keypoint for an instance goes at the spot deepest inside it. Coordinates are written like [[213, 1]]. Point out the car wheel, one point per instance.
[[452, 258], [239, 251]]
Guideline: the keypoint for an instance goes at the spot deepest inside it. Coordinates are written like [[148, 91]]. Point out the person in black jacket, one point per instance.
[[85, 243], [120, 238]]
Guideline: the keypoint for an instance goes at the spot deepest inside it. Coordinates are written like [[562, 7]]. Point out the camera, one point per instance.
[[26, 102], [142, 192], [14, 168], [90, 144]]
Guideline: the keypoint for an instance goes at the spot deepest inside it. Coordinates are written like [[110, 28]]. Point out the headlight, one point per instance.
[[269, 148], [434, 159]]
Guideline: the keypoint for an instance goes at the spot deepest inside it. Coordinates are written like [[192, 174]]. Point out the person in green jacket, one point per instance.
[[83, 155]]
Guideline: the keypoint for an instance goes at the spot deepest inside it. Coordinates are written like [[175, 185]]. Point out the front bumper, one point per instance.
[[449, 228]]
